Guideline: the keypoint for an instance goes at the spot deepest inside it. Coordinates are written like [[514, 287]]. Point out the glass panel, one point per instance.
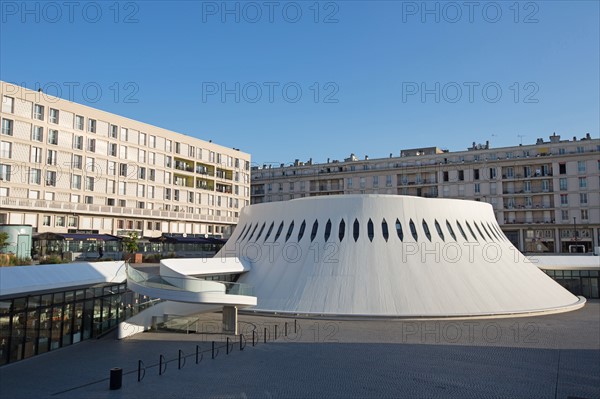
[[44, 332], [4, 330], [67, 324], [31, 338], [88, 318], [55, 337], [17, 337]]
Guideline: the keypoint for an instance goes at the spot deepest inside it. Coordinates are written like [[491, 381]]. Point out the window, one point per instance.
[[142, 139], [60, 221], [545, 186], [7, 127], [168, 146], [477, 188], [38, 112], [91, 145], [582, 182], [269, 231], [584, 214], [253, 231], [123, 152], [46, 220], [79, 122], [89, 183], [113, 132], [388, 181], [177, 148], [122, 169], [112, 149], [476, 174], [583, 198], [527, 171], [370, 231], [342, 230], [8, 104], [462, 232], [37, 133], [6, 149], [35, 176], [493, 232], [479, 231], [72, 221], [445, 176], [88, 199], [76, 161], [355, 229], [76, 182], [349, 182], [510, 172], [471, 231], [313, 233], [413, 230], [279, 230], [51, 159], [375, 181], [53, 115], [426, 230], [142, 173], [167, 194], [152, 142], [564, 215], [77, 142], [36, 155], [450, 230], [92, 126], [580, 150], [562, 182], [50, 178], [562, 168], [53, 137], [151, 174], [399, 230], [301, 231], [461, 175], [384, 230], [5, 172], [124, 134], [362, 182], [142, 156], [327, 230], [492, 173], [527, 186], [564, 199], [176, 197], [439, 229]]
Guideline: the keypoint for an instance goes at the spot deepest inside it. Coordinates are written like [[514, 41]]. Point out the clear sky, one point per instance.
[[286, 80]]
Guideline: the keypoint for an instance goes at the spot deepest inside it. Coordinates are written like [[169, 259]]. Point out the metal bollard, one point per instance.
[[116, 378]]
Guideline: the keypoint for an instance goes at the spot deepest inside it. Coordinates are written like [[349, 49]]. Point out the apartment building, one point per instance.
[[546, 196], [70, 168]]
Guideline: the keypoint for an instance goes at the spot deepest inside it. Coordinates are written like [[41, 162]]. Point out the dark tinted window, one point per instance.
[[356, 229], [471, 231], [253, 231], [370, 232], [328, 229], [313, 233], [248, 231], [462, 232], [479, 231], [439, 230], [486, 231], [289, 232], [240, 236], [449, 227], [261, 231], [301, 232], [269, 231], [399, 230], [279, 230], [342, 230], [413, 230], [426, 230], [384, 230]]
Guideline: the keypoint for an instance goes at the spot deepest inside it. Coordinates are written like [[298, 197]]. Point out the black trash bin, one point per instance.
[[116, 378]]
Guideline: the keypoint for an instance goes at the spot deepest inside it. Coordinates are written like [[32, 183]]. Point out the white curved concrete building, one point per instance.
[[387, 255]]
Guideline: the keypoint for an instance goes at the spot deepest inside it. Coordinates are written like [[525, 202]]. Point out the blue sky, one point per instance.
[[375, 76]]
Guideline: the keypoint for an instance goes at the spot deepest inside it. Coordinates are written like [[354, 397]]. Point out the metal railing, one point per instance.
[[189, 284]]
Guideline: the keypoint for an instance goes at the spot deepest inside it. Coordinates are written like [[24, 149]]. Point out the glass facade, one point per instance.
[[578, 282], [35, 324]]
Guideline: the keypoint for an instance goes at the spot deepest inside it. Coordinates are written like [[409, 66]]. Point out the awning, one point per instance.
[[187, 240], [76, 237]]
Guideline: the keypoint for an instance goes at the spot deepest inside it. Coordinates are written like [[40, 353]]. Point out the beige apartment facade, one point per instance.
[[67, 167], [545, 196]]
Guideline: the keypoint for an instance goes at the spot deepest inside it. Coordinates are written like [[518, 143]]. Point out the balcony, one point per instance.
[[205, 184], [224, 174], [203, 169], [184, 165], [222, 188]]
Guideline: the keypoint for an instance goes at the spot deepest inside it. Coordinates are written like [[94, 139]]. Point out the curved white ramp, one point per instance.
[[176, 287]]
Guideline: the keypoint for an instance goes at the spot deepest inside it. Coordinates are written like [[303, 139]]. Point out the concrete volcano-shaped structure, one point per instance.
[[388, 255]]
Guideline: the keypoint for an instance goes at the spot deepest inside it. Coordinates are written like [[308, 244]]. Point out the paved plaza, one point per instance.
[[553, 356]]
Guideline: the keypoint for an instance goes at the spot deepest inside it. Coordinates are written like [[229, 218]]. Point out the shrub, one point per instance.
[[51, 260], [12, 260]]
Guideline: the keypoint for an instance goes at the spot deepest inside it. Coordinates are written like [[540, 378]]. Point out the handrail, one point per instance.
[[189, 284]]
